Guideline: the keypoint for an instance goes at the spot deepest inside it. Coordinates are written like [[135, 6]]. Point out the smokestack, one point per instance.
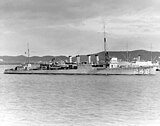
[[78, 59], [97, 59], [89, 59], [70, 59], [139, 58]]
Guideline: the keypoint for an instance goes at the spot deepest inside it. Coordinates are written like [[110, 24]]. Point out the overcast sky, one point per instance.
[[71, 27]]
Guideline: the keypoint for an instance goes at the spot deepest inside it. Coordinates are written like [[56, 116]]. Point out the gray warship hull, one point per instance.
[[85, 70]]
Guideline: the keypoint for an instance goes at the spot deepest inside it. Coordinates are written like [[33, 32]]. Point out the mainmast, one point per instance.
[[105, 50]]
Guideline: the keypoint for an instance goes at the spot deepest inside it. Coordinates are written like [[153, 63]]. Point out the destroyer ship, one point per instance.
[[111, 66]]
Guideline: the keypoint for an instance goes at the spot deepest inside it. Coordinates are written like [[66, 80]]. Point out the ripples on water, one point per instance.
[[57, 100]]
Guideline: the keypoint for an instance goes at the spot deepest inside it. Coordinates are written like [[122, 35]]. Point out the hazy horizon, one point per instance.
[[71, 27], [74, 55]]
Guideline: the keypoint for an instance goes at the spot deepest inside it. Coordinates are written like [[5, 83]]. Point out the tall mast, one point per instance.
[[28, 53], [105, 50], [105, 39]]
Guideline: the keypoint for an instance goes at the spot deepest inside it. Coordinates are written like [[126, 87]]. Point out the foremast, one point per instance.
[[28, 53]]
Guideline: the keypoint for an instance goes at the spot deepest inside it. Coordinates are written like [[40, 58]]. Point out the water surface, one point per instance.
[[76, 100]]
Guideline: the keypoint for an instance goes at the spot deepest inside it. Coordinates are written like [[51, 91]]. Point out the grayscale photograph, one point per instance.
[[79, 62]]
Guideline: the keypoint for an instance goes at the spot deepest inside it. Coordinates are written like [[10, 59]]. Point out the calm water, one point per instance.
[[56, 100]]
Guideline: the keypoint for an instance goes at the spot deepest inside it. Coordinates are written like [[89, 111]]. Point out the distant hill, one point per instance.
[[145, 55], [33, 59]]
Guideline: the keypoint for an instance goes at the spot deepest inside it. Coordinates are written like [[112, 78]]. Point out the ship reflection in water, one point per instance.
[[35, 100]]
